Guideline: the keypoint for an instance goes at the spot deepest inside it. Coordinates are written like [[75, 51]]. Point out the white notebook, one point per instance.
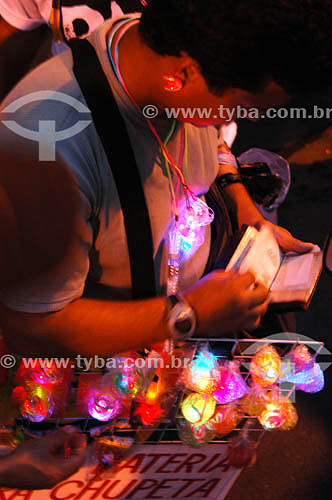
[[291, 277]]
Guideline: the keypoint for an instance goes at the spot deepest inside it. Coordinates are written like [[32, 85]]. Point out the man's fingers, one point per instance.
[[252, 324], [259, 295], [287, 242], [246, 280], [253, 319], [298, 246], [260, 310]]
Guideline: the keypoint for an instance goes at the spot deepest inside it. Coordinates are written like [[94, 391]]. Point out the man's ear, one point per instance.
[[188, 70]]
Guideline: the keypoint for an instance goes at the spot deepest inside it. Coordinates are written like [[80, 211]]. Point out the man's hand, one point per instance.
[[41, 463], [286, 241], [226, 302]]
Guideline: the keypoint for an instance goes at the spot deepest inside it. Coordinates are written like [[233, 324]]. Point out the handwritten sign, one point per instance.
[[152, 472]]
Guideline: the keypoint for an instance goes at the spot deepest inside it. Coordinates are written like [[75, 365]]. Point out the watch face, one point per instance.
[[184, 326], [182, 321]]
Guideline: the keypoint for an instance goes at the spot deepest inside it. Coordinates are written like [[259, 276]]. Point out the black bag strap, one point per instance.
[[121, 158]]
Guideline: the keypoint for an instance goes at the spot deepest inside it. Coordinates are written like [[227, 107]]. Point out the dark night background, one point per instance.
[[297, 464]]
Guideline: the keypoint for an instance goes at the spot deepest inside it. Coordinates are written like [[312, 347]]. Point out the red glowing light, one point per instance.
[[148, 414]]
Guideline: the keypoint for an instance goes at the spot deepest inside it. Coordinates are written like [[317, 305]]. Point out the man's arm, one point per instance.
[[223, 302], [86, 327], [245, 212]]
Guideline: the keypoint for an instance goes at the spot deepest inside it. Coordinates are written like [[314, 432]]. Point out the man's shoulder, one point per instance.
[[46, 93], [46, 114], [53, 74]]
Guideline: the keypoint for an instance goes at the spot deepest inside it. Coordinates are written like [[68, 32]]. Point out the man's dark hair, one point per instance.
[[244, 43]]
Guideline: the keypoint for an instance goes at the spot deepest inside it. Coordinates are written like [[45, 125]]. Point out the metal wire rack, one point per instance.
[[166, 431]]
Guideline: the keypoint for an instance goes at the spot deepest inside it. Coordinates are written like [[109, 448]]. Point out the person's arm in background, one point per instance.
[[18, 49], [41, 463]]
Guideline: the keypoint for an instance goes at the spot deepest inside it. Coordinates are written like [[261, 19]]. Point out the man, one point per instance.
[[186, 56]]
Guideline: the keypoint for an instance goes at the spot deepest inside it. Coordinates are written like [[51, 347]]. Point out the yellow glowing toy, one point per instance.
[[198, 408], [265, 366]]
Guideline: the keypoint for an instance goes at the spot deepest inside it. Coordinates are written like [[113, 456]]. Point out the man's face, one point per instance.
[[209, 109]]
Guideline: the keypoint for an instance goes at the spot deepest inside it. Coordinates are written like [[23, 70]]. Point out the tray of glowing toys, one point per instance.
[[218, 391]]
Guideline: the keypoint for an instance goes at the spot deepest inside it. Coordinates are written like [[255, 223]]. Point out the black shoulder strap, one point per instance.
[[117, 146]]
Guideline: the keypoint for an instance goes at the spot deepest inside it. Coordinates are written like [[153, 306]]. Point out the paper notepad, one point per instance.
[[291, 278]]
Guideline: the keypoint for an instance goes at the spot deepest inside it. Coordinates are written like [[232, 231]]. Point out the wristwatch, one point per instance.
[[227, 179], [181, 318]]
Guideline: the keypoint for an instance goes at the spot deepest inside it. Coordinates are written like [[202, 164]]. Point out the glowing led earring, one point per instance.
[[173, 83]]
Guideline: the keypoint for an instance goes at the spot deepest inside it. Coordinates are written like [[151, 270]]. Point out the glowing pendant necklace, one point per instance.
[[188, 219], [192, 213]]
